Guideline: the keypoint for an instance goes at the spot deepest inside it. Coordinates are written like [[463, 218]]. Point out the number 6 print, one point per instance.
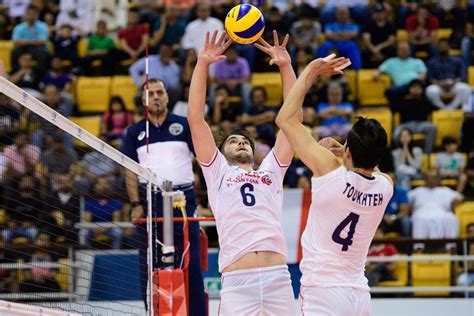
[[247, 197]]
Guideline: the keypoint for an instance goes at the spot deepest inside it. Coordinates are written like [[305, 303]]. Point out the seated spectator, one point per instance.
[[224, 112], [469, 192], [161, 67], [65, 44], [397, 214], [63, 210], [116, 119], [467, 278], [188, 66], [22, 211], [99, 209], [402, 69], [305, 33], [181, 107], [451, 164], [302, 58], [381, 271], [359, 9], [467, 130], [11, 114], [112, 12], [99, 48], [407, 9], [467, 43], [446, 75], [422, 29], [58, 159], [8, 277], [77, 13], [406, 160], [432, 210], [379, 38], [20, 157], [415, 109], [335, 114], [234, 73], [168, 30], [27, 77], [450, 15], [57, 77], [342, 35], [30, 36], [261, 116], [296, 170]]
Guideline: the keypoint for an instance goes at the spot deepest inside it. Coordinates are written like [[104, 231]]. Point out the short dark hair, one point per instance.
[[153, 80], [448, 140], [469, 226], [32, 7], [259, 88], [134, 10], [367, 141], [236, 131]]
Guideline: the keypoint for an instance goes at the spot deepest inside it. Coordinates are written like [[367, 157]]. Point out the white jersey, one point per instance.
[[247, 207], [345, 212]]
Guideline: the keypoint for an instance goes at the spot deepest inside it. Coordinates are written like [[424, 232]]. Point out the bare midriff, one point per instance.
[[257, 259]]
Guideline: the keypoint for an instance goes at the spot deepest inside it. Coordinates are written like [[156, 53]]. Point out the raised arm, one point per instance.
[[204, 144], [281, 58], [319, 159]]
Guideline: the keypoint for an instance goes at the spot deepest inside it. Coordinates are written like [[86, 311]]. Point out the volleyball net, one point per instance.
[[65, 232]]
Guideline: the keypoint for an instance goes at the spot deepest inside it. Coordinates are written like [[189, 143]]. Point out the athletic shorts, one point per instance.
[[334, 301], [260, 291]]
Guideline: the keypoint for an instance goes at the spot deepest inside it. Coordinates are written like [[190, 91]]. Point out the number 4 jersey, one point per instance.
[[345, 212], [247, 207]]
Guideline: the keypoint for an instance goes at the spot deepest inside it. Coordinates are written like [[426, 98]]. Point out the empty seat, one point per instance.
[[89, 123], [448, 123], [271, 81], [93, 94], [430, 273], [371, 92], [470, 76], [6, 48], [401, 273], [124, 87]]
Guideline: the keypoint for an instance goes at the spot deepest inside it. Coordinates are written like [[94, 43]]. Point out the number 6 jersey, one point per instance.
[[247, 207], [345, 212]]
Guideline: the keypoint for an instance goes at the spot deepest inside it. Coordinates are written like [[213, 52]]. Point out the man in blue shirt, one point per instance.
[[30, 36], [169, 155], [342, 35], [397, 217]]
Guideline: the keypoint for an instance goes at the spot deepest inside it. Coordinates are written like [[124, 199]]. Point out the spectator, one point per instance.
[[414, 111], [302, 58], [195, 32], [111, 12], [16, 9], [99, 209], [77, 13], [432, 210], [335, 114], [469, 192], [450, 15], [407, 9], [161, 67], [402, 69], [467, 131], [422, 29], [116, 119], [27, 76], [57, 77], [169, 30], [30, 36], [451, 164], [261, 116], [296, 170], [467, 278], [65, 44], [446, 75], [359, 9], [234, 73], [379, 38], [21, 157], [99, 47], [381, 271], [305, 33], [225, 113], [10, 116], [406, 160], [58, 159], [342, 35], [7, 277], [397, 214], [181, 107], [188, 66], [467, 43]]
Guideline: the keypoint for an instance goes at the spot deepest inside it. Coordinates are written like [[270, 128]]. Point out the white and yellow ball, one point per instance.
[[244, 24]]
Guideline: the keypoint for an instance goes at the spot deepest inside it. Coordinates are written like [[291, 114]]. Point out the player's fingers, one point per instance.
[[213, 38], [264, 42], [227, 44], [221, 39], [329, 57], [285, 41], [207, 39], [272, 61], [276, 42], [343, 66], [262, 48]]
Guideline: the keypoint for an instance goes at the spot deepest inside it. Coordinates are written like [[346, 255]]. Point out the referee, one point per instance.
[[169, 155]]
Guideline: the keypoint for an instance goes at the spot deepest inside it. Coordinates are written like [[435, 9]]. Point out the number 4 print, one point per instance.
[[351, 220]]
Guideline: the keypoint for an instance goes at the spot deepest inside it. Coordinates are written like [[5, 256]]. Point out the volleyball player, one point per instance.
[[246, 203], [348, 202]]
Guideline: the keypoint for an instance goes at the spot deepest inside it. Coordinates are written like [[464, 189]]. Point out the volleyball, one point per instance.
[[244, 24]]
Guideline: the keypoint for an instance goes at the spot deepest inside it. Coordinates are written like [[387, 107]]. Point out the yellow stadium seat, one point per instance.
[[89, 123], [124, 87], [444, 33], [417, 183], [465, 214], [351, 76], [402, 35], [82, 47], [425, 162], [470, 76], [448, 123], [3, 216], [371, 92], [272, 83], [401, 273], [6, 48], [62, 276], [384, 116], [93, 94], [430, 273]]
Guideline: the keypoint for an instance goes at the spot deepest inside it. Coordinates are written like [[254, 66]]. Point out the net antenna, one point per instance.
[[52, 116]]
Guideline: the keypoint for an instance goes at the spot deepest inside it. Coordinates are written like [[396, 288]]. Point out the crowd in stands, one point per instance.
[[49, 183]]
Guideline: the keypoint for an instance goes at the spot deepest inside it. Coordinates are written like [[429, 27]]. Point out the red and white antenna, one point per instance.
[[147, 102]]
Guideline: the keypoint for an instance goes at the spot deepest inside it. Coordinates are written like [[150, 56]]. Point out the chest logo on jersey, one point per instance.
[[141, 136], [266, 180], [176, 129], [254, 178]]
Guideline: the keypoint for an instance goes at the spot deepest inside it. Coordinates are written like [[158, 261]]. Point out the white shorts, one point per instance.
[[260, 291], [334, 301]]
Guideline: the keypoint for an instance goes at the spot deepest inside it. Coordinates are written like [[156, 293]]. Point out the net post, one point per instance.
[[150, 248], [168, 234]]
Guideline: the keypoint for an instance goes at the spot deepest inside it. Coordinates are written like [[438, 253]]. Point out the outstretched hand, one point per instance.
[[213, 51], [332, 145], [277, 52], [329, 65]]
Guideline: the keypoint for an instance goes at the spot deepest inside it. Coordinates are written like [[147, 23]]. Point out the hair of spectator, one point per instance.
[[448, 140], [32, 7], [236, 131], [223, 87], [134, 10], [367, 141], [260, 88]]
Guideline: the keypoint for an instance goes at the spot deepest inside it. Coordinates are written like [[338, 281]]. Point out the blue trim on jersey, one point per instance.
[[135, 136]]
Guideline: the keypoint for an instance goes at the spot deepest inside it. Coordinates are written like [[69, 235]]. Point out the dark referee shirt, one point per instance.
[[170, 149]]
